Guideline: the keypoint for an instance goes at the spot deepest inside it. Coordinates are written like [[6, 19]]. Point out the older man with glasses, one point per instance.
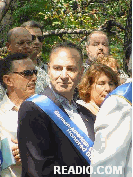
[[18, 76], [19, 40]]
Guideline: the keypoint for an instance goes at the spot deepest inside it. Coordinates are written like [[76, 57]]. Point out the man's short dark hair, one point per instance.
[[6, 64], [67, 45], [32, 24]]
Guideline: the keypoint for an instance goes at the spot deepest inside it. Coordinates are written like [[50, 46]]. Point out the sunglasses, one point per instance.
[[40, 38], [27, 72]]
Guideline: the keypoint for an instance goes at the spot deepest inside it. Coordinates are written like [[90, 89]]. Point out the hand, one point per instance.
[[15, 151]]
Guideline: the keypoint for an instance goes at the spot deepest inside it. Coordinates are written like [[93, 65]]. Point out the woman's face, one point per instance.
[[100, 88]]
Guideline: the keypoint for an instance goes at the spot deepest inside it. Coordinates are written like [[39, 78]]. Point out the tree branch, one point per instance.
[[4, 7], [106, 27], [109, 24], [58, 32]]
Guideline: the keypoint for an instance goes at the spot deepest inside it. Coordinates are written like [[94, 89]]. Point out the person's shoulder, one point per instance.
[[6, 104], [118, 100], [27, 106], [42, 80], [124, 87], [30, 104], [30, 111], [46, 91], [41, 71], [124, 91]]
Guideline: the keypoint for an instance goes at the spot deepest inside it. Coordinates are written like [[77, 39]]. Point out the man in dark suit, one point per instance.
[[43, 145]]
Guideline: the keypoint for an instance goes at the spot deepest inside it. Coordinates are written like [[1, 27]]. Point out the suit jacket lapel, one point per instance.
[[89, 120]]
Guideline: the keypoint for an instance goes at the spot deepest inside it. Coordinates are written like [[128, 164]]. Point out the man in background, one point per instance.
[[18, 77], [97, 46], [36, 31], [19, 40]]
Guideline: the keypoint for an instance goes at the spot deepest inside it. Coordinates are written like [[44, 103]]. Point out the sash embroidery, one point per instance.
[[79, 139]]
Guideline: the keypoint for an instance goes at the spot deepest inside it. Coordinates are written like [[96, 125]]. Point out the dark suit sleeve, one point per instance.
[[36, 143]]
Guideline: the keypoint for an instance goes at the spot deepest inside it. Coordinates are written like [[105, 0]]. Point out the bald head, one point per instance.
[[19, 40], [16, 31]]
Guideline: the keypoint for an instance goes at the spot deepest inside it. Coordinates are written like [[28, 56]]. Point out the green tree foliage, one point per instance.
[[76, 14]]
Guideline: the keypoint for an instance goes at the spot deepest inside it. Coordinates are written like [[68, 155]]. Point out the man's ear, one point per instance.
[[80, 74], [7, 80], [87, 49], [82, 71], [48, 68], [8, 46]]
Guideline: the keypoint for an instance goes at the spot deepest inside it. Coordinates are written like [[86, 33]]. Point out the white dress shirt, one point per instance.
[[2, 92], [9, 121]]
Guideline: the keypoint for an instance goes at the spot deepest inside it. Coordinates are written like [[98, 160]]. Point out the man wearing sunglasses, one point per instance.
[[18, 77], [36, 31], [46, 146]]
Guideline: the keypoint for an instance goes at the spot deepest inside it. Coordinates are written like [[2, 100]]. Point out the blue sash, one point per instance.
[[124, 91], [79, 139]]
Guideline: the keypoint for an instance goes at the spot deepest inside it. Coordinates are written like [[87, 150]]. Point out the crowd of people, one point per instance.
[[49, 132]]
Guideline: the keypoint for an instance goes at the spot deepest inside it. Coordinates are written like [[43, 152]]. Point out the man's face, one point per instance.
[[65, 71], [98, 46], [24, 86], [37, 39], [21, 42]]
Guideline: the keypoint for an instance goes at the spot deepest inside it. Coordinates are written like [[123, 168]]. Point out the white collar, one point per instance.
[[6, 104]]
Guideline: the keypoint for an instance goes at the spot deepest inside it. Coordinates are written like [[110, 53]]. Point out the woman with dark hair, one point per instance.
[[95, 85]]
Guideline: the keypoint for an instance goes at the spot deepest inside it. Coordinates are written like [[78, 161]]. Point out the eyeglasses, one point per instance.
[[21, 43], [40, 38], [27, 72]]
